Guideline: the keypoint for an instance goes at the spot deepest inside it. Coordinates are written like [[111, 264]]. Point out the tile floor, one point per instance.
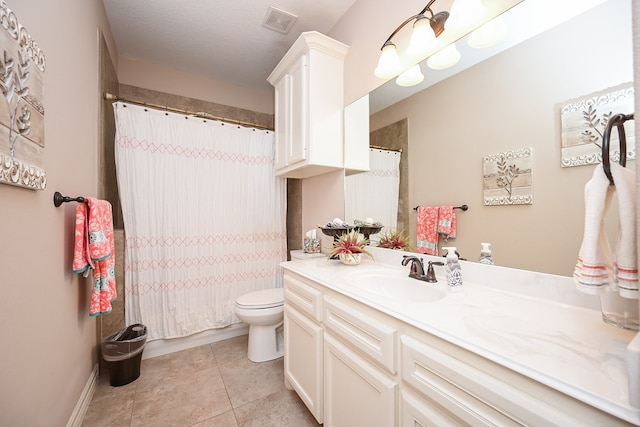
[[208, 386]]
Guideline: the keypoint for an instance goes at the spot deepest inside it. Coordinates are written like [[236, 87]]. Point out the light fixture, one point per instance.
[[389, 64], [425, 43], [447, 57], [465, 14], [489, 34], [411, 77]]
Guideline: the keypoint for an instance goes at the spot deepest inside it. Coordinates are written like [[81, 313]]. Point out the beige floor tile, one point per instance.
[[230, 350], [247, 381], [200, 387], [283, 408], [227, 419], [182, 400]]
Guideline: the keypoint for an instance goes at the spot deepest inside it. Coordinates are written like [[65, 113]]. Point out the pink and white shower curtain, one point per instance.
[[375, 194], [204, 218]]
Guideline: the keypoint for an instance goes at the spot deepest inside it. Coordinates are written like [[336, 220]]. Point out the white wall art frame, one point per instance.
[[508, 178], [584, 120], [22, 66]]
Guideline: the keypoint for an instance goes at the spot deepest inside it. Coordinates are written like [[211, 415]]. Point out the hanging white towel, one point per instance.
[[597, 269], [626, 259]]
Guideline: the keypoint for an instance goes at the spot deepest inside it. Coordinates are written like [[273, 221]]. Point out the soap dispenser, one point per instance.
[[453, 271], [485, 254]]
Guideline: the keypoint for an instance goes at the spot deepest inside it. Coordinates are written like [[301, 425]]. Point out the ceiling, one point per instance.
[[225, 39], [222, 39]]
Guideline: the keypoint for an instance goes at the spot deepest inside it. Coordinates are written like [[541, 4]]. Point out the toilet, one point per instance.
[[263, 311]]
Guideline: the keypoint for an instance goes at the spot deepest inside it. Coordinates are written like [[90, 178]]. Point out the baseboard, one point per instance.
[[165, 346], [77, 416]]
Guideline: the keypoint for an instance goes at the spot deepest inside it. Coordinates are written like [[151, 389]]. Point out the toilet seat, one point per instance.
[[267, 298]]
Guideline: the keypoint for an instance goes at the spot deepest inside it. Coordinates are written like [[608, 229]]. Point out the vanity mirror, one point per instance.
[[504, 103]]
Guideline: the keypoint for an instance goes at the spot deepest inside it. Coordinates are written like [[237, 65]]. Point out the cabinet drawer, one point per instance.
[[474, 394], [433, 373], [304, 297], [375, 339]]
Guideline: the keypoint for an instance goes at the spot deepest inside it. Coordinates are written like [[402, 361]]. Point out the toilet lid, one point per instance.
[[266, 298]]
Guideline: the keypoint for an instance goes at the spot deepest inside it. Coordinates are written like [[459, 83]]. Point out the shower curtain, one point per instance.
[[204, 218], [374, 194]]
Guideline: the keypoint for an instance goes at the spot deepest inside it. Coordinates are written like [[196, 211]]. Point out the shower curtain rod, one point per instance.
[[378, 147], [111, 97]]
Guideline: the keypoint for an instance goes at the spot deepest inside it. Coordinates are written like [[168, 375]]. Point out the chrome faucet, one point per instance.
[[416, 270]]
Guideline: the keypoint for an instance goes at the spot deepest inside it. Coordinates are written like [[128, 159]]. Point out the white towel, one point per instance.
[[626, 259], [596, 269]]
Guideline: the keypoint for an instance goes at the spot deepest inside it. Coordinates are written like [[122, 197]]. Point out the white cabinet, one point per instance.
[[309, 104], [303, 344], [357, 393], [353, 365], [356, 136]]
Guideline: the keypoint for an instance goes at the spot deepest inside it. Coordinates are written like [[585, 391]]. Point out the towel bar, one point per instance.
[[59, 199], [463, 208]]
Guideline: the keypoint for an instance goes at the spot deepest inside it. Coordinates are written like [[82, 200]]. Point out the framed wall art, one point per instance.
[[22, 66], [584, 120], [508, 178]]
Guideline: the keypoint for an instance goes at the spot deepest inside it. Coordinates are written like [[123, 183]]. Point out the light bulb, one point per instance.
[[464, 15], [446, 58], [423, 39], [489, 34], [389, 62], [411, 77]]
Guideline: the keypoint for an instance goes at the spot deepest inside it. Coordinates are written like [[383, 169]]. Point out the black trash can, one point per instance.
[[123, 353]]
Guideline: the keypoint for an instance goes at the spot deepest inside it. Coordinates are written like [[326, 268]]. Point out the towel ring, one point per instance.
[[617, 121]]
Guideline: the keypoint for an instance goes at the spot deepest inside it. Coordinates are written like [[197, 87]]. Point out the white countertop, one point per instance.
[[535, 324]]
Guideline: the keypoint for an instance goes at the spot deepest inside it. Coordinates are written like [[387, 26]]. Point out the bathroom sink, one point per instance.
[[396, 285]]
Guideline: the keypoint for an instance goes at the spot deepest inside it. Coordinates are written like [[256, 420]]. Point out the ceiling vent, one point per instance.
[[278, 20]]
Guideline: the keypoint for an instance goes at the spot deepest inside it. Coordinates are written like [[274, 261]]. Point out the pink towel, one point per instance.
[[427, 230], [447, 222], [95, 250]]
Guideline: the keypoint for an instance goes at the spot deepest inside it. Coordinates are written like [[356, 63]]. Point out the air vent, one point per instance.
[[278, 20]]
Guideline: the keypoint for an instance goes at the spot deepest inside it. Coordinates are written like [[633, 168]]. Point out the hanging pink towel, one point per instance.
[[447, 222], [95, 250], [427, 230]]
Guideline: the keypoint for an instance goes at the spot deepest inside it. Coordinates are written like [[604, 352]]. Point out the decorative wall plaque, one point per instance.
[[583, 123], [22, 66], [508, 178]]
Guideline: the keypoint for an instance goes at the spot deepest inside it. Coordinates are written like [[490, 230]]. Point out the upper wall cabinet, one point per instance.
[[309, 105]]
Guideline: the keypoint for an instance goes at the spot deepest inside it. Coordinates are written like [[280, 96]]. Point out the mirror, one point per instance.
[[502, 104]]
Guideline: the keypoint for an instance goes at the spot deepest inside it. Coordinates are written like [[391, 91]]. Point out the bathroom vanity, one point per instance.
[[366, 345]]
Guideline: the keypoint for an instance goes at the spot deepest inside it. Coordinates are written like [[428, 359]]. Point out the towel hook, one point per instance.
[[617, 121]]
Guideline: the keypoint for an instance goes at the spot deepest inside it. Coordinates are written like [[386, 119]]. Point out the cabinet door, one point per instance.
[[299, 101], [282, 106], [356, 392], [303, 363]]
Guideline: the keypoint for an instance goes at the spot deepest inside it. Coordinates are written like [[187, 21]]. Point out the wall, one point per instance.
[[155, 77], [48, 340], [510, 102]]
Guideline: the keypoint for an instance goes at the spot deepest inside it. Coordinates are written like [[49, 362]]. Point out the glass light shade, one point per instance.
[[389, 63], [411, 77], [489, 34], [447, 57], [423, 39], [464, 15]]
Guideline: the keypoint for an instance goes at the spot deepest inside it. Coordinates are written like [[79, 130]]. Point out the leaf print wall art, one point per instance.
[[583, 121], [508, 178], [22, 66]]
